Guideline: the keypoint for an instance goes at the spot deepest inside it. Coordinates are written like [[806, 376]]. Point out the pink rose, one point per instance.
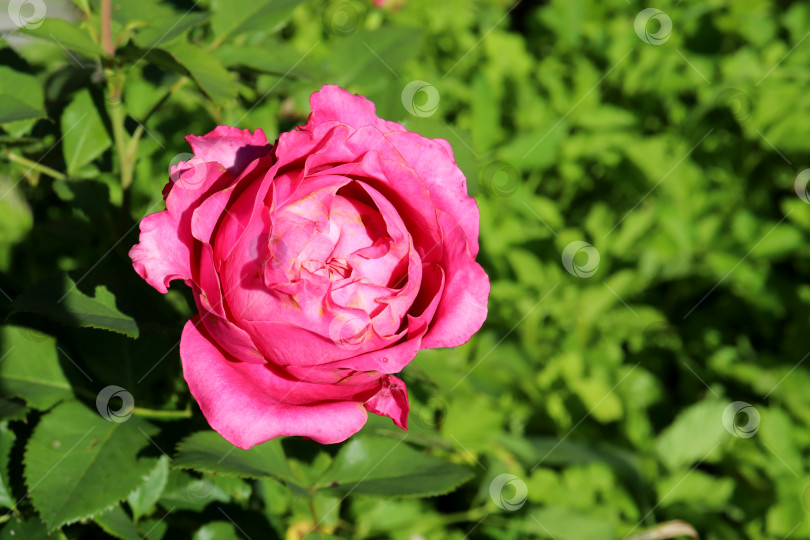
[[320, 266]]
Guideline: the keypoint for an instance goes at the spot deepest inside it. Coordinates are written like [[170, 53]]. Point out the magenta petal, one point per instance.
[[391, 401], [164, 251], [433, 162], [161, 256], [247, 403], [233, 148], [332, 103], [463, 306]]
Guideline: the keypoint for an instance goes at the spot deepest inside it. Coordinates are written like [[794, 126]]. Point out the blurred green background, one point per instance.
[[642, 175]]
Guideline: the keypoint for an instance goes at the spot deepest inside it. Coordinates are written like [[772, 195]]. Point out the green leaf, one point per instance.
[[147, 495], [7, 439], [117, 523], [85, 136], [693, 436], [64, 34], [367, 56], [12, 410], [13, 109], [78, 464], [16, 219], [30, 368], [164, 30], [30, 528], [58, 298], [207, 451], [232, 17], [256, 59], [563, 522], [23, 87], [186, 492], [154, 22], [205, 69], [385, 467], [216, 530]]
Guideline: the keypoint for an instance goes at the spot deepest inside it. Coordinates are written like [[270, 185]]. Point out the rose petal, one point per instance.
[[463, 307], [332, 103], [165, 246], [234, 148], [434, 163], [248, 403], [391, 401]]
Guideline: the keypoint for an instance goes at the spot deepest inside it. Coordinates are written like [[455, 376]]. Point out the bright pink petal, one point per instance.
[[164, 252], [249, 404], [463, 307], [433, 162], [332, 103], [391, 401], [233, 148]]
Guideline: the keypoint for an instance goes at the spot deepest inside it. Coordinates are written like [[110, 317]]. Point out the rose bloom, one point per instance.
[[320, 266]]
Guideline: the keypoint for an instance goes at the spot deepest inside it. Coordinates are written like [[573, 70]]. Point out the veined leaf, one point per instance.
[[148, 494], [85, 137], [207, 451], [30, 528], [58, 298], [385, 467], [117, 523], [65, 34], [78, 464], [205, 69], [30, 368], [12, 110], [7, 439], [234, 17]]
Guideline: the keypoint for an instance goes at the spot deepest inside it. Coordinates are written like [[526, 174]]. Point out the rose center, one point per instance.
[[335, 268]]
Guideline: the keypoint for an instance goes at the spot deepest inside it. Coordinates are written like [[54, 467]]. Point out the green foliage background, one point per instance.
[[677, 156]]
